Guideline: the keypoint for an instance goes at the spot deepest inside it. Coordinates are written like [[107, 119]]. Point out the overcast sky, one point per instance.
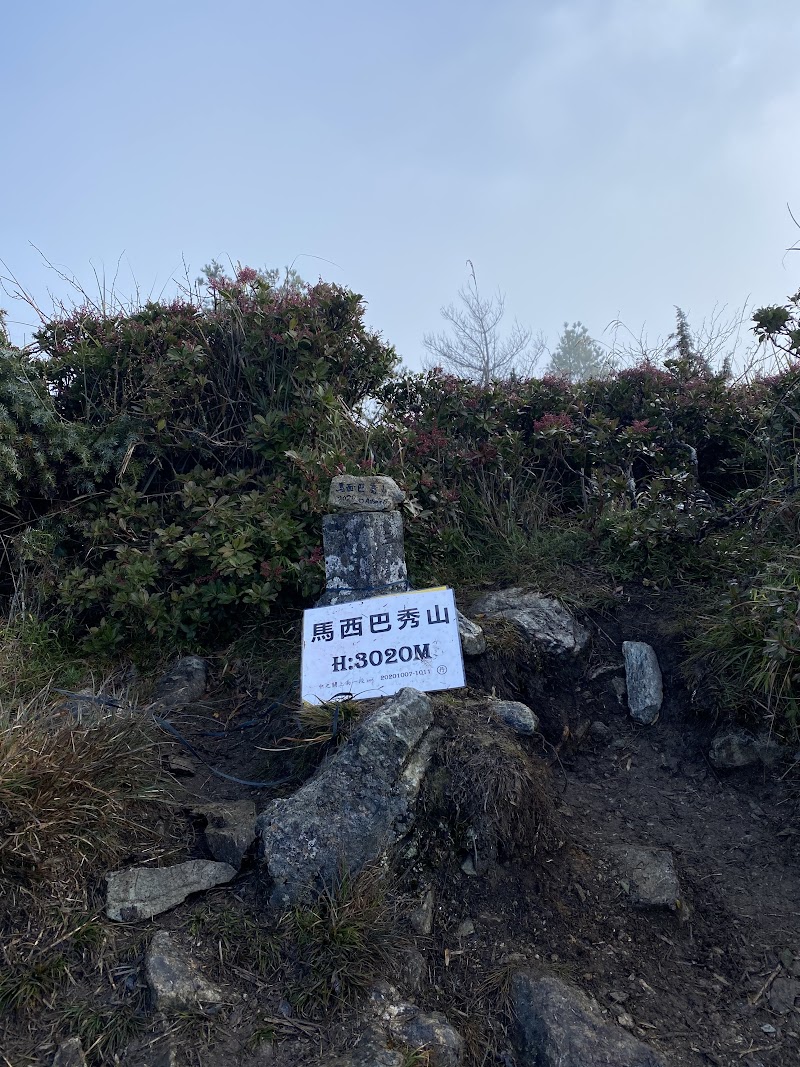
[[595, 159]]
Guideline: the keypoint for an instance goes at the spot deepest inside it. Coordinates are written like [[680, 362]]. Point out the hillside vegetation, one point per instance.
[[163, 476], [164, 472]]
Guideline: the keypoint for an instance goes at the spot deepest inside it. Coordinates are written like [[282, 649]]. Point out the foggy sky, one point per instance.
[[595, 159]]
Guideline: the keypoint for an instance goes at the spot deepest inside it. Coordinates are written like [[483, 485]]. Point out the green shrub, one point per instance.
[[748, 651], [212, 432]]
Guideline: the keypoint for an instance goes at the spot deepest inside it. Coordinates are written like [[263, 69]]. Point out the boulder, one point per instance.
[[183, 684], [473, 643], [558, 1026], [174, 979], [142, 892], [230, 829], [515, 715], [648, 875], [643, 681], [542, 619], [356, 807]]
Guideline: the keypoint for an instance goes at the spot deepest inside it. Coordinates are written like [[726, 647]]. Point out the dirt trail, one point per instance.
[[703, 986]]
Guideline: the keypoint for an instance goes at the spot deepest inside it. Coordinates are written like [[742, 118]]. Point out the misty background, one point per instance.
[[596, 160]]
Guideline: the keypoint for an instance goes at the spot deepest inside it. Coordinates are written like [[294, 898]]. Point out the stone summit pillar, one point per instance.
[[363, 540]]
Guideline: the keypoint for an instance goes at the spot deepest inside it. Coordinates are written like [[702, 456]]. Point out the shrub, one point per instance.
[[748, 651], [211, 432]]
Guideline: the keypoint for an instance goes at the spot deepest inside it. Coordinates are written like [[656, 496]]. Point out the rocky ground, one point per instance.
[[544, 879]]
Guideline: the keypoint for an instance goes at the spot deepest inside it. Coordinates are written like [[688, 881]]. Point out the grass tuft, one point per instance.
[[341, 943], [497, 789]]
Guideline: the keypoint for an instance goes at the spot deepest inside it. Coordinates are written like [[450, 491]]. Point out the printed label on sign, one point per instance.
[[375, 647]]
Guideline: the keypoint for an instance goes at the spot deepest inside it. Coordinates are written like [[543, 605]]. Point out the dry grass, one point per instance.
[[339, 945], [497, 788], [80, 788], [71, 789]]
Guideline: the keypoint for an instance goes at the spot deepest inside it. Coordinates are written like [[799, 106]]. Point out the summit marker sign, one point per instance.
[[378, 646]]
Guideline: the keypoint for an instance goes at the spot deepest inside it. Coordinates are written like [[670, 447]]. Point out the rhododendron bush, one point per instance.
[[165, 470]]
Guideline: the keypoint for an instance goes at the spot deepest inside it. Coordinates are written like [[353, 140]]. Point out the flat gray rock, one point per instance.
[[142, 892], [175, 982], [643, 681], [358, 805], [366, 493], [558, 1026], [516, 715], [648, 875], [473, 642], [542, 619], [182, 684], [230, 829]]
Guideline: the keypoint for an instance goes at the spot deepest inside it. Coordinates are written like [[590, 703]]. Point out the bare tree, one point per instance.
[[476, 348]]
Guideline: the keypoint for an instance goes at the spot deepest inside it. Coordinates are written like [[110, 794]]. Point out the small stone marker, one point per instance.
[[375, 493], [363, 540], [643, 679]]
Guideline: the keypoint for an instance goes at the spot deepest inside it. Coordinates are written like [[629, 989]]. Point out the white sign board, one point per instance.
[[375, 647]]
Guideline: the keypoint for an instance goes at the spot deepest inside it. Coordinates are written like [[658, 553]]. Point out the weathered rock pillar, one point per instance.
[[363, 540]]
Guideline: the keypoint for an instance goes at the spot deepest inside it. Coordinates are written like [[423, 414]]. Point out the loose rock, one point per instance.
[[429, 1031], [371, 1050], [183, 684], [560, 1027], [643, 680], [732, 749], [515, 715], [649, 876], [413, 969], [230, 829], [782, 994], [70, 1054], [356, 807], [422, 916], [174, 979], [142, 892], [542, 619], [600, 733], [473, 642]]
